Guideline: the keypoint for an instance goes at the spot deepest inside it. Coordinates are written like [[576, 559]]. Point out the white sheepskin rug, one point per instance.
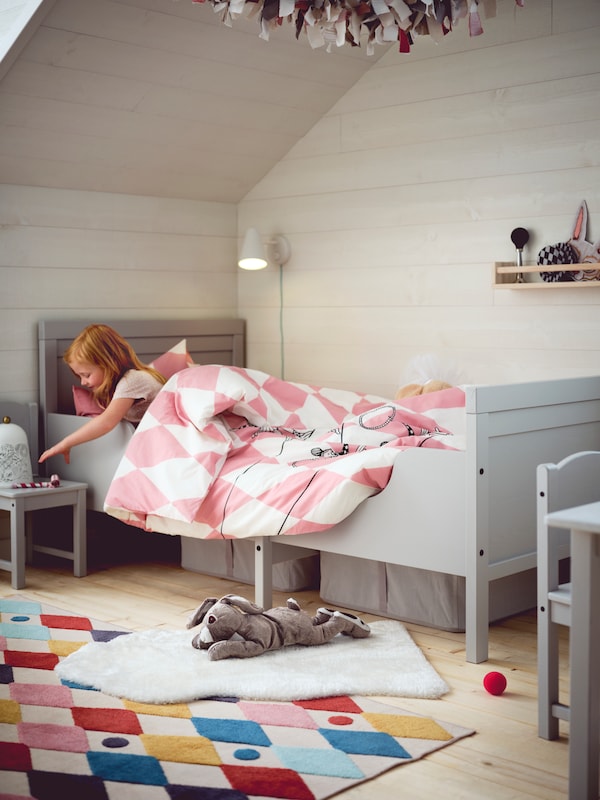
[[159, 666]]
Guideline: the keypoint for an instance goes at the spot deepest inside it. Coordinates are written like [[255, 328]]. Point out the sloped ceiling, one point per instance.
[[159, 98]]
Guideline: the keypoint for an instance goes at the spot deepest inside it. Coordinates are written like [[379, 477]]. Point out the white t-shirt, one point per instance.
[[140, 386]]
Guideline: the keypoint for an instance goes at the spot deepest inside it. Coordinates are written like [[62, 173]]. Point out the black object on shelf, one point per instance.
[[520, 237]]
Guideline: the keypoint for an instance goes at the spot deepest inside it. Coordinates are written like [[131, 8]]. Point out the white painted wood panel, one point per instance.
[[120, 115], [533, 61], [492, 111], [55, 173], [113, 289], [173, 116], [117, 64], [509, 153], [443, 287], [117, 250], [24, 205], [131, 157], [437, 247], [121, 76], [160, 99], [102, 256], [486, 198], [478, 329], [183, 27], [575, 15], [397, 202]]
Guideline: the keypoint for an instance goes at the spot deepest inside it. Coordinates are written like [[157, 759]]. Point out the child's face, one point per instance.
[[90, 375]]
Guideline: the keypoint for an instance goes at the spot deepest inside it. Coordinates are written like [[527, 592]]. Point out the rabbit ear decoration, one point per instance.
[[576, 251], [586, 252], [580, 227]]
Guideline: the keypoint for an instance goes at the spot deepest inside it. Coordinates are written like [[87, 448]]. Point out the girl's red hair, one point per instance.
[[102, 346]]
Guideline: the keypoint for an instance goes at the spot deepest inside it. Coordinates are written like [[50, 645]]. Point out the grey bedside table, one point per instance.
[[20, 501]]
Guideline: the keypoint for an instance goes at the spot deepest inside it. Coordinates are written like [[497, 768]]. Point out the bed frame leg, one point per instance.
[[263, 572], [477, 618]]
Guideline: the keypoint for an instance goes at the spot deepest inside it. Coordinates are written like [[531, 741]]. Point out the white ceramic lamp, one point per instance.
[[15, 462]]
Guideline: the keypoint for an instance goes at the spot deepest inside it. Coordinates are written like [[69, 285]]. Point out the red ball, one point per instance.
[[494, 682]]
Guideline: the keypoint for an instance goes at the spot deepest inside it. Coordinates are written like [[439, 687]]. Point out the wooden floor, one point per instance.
[[505, 759]]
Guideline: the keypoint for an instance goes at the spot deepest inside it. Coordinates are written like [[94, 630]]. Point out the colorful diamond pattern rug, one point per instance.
[[60, 740]]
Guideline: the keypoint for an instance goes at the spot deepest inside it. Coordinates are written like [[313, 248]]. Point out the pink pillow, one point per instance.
[[174, 360], [85, 405]]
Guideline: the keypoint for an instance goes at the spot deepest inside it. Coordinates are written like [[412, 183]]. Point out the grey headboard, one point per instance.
[[209, 341]]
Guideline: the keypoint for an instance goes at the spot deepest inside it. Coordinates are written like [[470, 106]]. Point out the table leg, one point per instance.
[[80, 536], [17, 544], [584, 698]]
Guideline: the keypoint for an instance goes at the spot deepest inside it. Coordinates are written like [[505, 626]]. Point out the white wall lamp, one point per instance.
[[252, 256], [252, 253]]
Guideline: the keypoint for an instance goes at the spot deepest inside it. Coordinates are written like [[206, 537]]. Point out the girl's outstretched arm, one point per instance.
[[94, 429]]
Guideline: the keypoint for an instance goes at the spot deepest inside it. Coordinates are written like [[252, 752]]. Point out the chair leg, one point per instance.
[[547, 674]]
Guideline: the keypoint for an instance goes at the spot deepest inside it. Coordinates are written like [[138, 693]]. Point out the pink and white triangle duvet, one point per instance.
[[226, 452]]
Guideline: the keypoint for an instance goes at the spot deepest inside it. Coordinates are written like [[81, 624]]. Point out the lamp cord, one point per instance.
[[281, 344]]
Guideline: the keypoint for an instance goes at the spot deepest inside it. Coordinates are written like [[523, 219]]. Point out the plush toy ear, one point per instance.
[[435, 386], [241, 603], [410, 390], [201, 612]]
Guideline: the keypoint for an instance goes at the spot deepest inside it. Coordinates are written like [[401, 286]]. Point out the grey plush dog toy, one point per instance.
[[233, 627]]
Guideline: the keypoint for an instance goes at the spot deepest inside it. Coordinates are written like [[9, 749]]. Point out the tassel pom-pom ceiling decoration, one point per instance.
[[337, 22]]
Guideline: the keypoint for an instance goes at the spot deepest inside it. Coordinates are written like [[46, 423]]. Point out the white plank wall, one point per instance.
[[158, 98], [137, 142], [99, 256], [399, 200], [129, 130]]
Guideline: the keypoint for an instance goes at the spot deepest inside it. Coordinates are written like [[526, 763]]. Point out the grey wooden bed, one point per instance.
[[213, 341], [486, 535]]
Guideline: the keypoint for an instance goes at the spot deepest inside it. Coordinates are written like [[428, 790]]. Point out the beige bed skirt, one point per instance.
[[434, 599], [420, 596], [234, 559]]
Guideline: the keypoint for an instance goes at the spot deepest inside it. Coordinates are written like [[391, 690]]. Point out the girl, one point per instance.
[[121, 385]]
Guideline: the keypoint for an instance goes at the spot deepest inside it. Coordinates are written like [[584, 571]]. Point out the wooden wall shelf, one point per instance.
[[505, 276]]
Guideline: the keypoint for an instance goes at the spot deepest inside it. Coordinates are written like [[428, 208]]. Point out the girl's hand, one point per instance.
[[55, 451], [93, 429]]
